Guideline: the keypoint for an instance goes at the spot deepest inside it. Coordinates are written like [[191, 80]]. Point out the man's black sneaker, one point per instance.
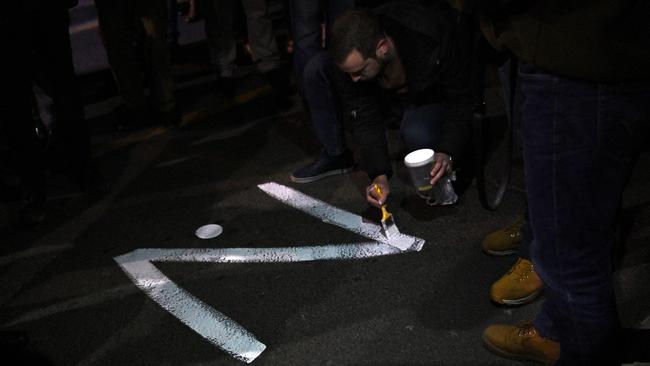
[[324, 166]]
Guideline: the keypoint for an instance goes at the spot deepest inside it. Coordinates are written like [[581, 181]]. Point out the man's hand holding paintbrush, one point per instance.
[[377, 194], [389, 228], [376, 197]]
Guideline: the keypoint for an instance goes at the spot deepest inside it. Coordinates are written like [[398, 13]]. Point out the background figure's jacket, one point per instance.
[[435, 55], [591, 40]]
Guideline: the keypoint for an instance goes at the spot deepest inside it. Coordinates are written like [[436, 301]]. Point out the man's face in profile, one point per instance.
[[360, 68]]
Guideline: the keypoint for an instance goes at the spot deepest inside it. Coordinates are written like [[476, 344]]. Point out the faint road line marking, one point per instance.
[[33, 252], [76, 303]]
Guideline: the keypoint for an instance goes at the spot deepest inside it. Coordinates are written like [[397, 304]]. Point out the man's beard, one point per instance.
[[382, 77], [382, 64]]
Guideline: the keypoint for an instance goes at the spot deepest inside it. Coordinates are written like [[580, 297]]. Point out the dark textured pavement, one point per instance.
[[60, 283]]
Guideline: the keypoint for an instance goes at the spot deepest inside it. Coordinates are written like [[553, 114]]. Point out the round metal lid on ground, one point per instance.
[[208, 231]]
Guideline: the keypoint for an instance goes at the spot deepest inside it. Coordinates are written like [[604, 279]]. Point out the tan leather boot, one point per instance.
[[521, 343], [503, 241], [520, 285]]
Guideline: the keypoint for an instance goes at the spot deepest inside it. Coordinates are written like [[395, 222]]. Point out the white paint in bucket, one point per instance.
[[419, 158]]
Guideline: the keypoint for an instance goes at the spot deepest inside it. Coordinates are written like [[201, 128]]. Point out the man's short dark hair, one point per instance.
[[355, 29]]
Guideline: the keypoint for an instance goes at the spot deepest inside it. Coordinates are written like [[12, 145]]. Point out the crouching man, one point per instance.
[[419, 55]]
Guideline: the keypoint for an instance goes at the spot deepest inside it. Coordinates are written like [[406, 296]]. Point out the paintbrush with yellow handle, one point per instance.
[[395, 238], [387, 222]]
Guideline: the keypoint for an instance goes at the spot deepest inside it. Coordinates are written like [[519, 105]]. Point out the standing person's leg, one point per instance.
[[218, 15], [306, 17], [172, 24], [312, 69], [116, 24], [153, 15], [44, 103], [579, 151], [54, 52], [260, 35], [16, 34], [333, 10], [266, 52], [324, 108], [327, 122]]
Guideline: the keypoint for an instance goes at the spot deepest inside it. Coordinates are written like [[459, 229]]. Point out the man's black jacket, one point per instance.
[[434, 50]]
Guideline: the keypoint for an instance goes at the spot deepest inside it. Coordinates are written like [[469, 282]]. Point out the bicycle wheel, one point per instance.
[[493, 156]]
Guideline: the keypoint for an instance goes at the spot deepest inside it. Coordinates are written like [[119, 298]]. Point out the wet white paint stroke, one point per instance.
[[333, 215], [200, 317], [216, 327]]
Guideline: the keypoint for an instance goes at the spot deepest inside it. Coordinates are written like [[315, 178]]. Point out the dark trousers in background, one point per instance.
[[172, 24], [120, 21], [306, 19], [323, 104], [41, 41], [219, 29], [579, 145]]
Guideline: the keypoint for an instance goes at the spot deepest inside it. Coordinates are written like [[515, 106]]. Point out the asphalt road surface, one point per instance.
[[67, 284]]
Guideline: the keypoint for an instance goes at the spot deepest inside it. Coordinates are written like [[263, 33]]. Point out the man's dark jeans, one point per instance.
[[580, 140], [421, 126], [306, 18], [323, 104]]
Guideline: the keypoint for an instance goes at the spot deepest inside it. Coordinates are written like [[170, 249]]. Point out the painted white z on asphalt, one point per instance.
[[216, 327]]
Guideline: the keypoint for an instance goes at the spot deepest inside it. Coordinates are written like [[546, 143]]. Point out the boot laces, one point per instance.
[[521, 269], [514, 229], [526, 330]]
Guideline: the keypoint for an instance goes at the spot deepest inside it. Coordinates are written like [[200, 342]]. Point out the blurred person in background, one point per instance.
[[120, 21], [219, 16], [36, 36], [313, 84]]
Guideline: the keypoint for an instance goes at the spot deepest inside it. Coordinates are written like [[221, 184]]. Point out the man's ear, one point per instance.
[[383, 46]]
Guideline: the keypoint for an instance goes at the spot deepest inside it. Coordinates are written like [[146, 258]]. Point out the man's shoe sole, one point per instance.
[[500, 253], [513, 356], [321, 176], [521, 301]]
